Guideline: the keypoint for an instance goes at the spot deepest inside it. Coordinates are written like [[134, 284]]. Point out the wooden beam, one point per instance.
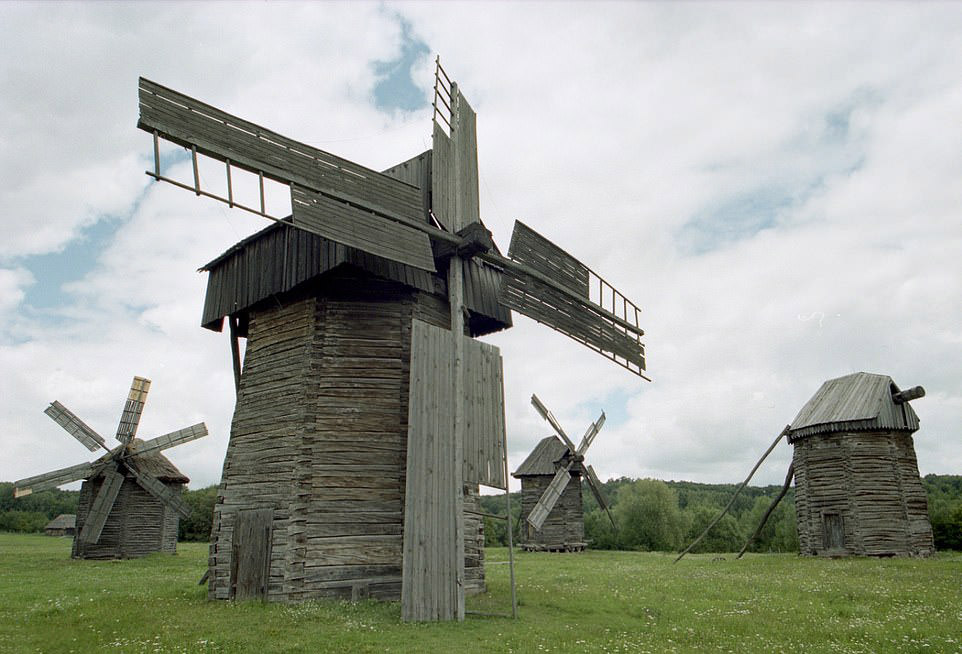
[[235, 352], [771, 507], [456, 302], [739, 490]]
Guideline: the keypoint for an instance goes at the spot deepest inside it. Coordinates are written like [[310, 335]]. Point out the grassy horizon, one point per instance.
[[597, 601]]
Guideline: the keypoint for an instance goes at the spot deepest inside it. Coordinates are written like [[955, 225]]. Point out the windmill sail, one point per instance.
[[157, 488], [550, 497], [169, 440], [103, 503], [133, 407], [75, 427], [346, 224], [52, 479], [551, 286], [330, 196], [595, 485]]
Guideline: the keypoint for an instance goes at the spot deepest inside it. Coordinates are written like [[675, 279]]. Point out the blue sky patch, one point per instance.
[[55, 269], [615, 406], [740, 217], [395, 89]]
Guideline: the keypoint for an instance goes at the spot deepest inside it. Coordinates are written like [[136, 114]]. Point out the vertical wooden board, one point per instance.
[[466, 150], [443, 191], [484, 387], [102, 505], [251, 554], [430, 549]]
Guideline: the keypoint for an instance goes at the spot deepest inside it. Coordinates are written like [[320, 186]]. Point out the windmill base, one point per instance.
[[558, 547]]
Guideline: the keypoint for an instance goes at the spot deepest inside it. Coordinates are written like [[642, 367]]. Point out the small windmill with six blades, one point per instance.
[[130, 500]]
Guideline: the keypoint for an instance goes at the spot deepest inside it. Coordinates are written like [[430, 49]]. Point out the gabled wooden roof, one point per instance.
[[63, 521], [858, 402], [152, 463], [542, 459]]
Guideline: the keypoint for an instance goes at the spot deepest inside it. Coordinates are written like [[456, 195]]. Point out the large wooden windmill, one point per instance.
[[366, 414], [857, 485], [551, 500], [130, 500]]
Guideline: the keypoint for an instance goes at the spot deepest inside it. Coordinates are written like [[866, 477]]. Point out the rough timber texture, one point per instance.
[[857, 486], [564, 528], [428, 574], [279, 259], [319, 437], [63, 525], [870, 480], [138, 524], [189, 122], [537, 300]]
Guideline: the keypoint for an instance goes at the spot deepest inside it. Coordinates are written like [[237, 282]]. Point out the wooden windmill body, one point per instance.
[[857, 485], [319, 435], [138, 523], [564, 528], [129, 504], [367, 414], [551, 500]]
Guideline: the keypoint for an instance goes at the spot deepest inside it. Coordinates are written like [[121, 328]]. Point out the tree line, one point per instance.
[[666, 516], [652, 515]]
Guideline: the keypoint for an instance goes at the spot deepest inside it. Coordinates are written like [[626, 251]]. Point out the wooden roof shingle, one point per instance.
[[858, 402], [63, 521], [542, 459]]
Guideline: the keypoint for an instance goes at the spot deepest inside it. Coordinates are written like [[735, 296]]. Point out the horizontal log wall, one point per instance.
[[265, 434], [138, 524], [320, 436], [564, 527], [870, 480]]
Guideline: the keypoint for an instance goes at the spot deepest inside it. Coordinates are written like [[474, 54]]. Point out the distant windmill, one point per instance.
[[550, 503], [857, 484], [362, 426], [130, 502]]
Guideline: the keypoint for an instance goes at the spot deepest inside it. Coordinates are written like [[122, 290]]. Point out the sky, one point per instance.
[[778, 187]]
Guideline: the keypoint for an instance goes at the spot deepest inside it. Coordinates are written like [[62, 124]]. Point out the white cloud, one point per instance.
[[607, 127]]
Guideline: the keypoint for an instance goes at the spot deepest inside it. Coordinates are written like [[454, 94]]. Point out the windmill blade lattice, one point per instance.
[[571, 458], [170, 440], [133, 407], [52, 479], [550, 497], [157, 488], [103, 503], [75, 427]]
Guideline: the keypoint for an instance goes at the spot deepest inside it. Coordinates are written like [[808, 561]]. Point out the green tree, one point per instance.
[[197, 527], [599, 532], [648, 516], [32, 512], [725, 536]]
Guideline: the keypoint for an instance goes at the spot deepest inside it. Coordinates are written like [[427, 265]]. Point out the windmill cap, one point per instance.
[[858, 402]]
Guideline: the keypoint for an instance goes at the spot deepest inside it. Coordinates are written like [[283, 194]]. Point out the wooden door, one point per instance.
[[251, 554], [833, 534]]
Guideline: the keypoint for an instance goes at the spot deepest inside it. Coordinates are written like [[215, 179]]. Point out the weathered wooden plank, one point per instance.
[[103, 503], [222, 136], [360, 229], [429, 534], [75, 426]]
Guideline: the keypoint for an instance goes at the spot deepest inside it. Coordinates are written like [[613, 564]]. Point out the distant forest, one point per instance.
[[651, 515]]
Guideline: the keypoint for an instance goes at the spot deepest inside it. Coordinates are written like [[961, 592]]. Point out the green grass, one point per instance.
[[591, 602]]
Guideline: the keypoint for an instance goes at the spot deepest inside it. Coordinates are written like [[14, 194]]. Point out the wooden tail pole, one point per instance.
[[771, 507], [732, 500]]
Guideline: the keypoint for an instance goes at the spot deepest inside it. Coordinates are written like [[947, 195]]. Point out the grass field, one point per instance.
[[590, 602]]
